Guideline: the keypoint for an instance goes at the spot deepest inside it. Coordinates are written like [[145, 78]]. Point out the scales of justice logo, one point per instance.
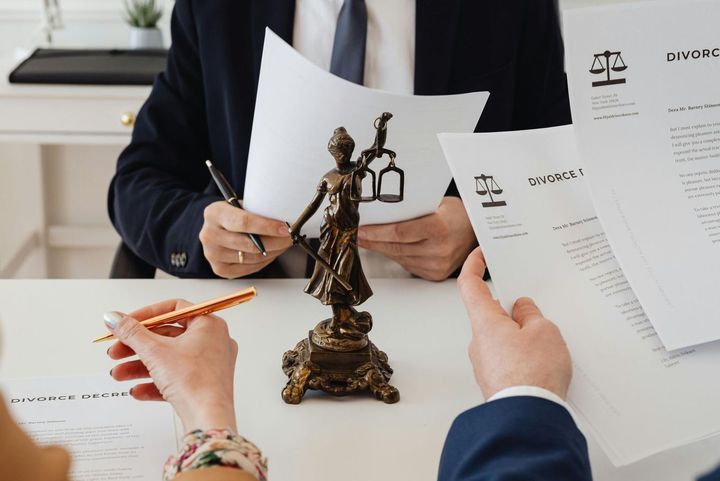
[[601, 65], [486, 185]]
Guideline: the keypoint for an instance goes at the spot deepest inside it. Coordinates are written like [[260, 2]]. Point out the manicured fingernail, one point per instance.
[[112, 318], [362, 235], [283, 230]]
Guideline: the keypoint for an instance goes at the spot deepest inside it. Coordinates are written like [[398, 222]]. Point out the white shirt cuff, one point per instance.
[[532, 391]]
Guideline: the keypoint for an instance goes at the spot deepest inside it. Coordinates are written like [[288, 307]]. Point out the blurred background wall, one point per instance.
[[87, 23], [70, 218]]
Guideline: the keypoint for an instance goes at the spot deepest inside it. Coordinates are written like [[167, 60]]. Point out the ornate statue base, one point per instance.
[[337, 372], [337, 357]]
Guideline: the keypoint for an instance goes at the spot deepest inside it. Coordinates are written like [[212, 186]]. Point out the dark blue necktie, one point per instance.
[[348, 55]]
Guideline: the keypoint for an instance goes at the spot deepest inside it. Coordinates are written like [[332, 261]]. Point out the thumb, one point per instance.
[[129, 331], [525, 311], [484, 311], [475, 264]]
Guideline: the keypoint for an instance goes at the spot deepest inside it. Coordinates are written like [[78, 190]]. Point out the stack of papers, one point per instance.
[[651, 143], [542, 239], [613, 225]]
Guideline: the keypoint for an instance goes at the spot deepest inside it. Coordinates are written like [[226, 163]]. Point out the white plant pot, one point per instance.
[[145, 38]]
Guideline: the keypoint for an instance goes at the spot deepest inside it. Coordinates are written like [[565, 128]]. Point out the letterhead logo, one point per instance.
[[605, 63], [485, 185]]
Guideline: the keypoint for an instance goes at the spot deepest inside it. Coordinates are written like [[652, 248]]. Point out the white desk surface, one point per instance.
[[47, 327]]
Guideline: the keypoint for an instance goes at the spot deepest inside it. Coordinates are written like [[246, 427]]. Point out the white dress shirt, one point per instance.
[[532, 391], [390, 47]]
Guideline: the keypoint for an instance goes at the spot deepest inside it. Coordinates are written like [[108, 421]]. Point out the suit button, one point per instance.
[[174, 259], [182, 261]]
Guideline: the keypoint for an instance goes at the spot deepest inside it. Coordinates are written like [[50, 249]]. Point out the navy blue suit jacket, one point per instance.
[[518, 439], [201, 107]]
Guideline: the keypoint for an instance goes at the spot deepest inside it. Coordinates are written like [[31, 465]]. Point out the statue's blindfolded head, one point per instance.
[[341, 146]]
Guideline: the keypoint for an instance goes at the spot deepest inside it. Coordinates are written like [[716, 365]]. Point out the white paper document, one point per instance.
[[526, 194], [110, 435], [646, 107], [298, 107]]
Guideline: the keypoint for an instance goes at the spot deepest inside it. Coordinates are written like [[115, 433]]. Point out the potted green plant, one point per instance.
[[143, 17]]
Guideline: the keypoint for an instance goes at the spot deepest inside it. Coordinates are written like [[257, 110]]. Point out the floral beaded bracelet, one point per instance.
[[217, 447]]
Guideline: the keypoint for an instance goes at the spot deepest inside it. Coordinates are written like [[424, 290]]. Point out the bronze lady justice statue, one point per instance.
[[337, 357]]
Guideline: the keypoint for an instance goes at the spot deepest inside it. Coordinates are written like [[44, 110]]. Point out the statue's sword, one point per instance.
[[300, 240]]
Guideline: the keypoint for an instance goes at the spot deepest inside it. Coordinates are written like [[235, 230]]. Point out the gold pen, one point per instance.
[[196, 310]]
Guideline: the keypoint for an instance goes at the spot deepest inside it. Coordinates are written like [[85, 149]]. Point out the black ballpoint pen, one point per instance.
[[231, 198]]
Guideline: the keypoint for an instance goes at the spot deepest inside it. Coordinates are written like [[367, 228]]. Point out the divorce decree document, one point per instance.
[[527, 197], [110, 435], [646, 107]]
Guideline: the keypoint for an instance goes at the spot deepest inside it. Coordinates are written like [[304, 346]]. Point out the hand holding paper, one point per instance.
[[227, 247], [541, 238], [299, 105], [524, 349], [432, 247]]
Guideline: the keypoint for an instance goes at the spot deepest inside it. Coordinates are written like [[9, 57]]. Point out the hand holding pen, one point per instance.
[[191, 363], [226, 235], [231, 197]]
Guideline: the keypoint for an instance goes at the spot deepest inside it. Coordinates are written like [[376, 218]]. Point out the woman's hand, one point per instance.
[[192, 366]]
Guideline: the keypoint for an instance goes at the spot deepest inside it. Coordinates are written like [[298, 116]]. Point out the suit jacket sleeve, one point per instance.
[[157, 197], [540, 98], [541, 91], [711, 476], [518, 439]]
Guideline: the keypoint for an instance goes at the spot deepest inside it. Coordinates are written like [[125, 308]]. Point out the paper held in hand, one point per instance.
[[646, 107], [526, 195], [298, 107]]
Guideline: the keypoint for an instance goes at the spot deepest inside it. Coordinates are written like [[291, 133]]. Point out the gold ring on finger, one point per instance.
[[241, 257]]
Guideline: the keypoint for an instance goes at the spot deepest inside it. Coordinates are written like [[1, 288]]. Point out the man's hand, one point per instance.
[[229, 250], [523, 350], [431, 247]]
